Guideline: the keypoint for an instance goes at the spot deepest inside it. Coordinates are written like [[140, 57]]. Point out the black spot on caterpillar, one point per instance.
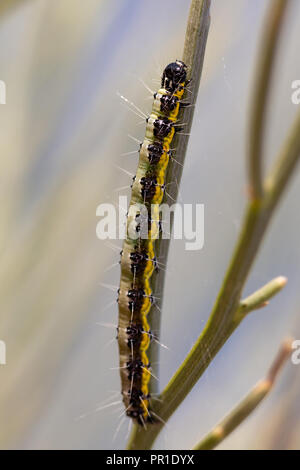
[[138, 259]]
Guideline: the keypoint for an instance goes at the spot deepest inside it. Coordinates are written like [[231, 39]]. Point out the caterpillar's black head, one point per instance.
[[174, 74]]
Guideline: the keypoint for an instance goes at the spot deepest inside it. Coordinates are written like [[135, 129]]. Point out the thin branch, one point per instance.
[[261, 297], [225, 316], [193, 57], [263, 75], [248, 404], [285, 164]]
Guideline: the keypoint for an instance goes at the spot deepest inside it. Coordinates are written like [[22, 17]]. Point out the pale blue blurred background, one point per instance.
[[63, 131]]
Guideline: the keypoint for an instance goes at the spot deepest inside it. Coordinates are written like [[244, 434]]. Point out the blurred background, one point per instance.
[[63, 130]]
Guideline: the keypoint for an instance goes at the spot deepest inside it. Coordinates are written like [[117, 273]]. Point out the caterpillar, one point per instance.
[[138, 260]]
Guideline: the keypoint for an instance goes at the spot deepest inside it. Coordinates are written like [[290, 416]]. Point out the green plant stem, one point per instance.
[[285, 164], [193, 57], [227, 311], [261, 297], [263, 76], [226, 314], [248, 404]]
